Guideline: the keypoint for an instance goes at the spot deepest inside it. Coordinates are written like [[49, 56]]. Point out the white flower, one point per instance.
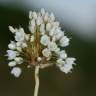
[[34, 15], [32, 23], [21, 30], [57, 50], [18, 44], [68, 65], [32, 39], [52, 17], [18, 60], [30, 14], [19, 36], [52, 46], [27, 37], [42, 29], [24, 45], [64, 41], [70, 60], [46, 17], [60, 62], [12, 29], [52, 31], [46, 52], [53, 39], [32, 26], [31, 29], [12, 45], [62, 54], [12, 64], [21, 44], [48, 26], [39, 20], [19, 49], [59, 34], [11, 54], [45, 40], [16, 71], [42, 11]]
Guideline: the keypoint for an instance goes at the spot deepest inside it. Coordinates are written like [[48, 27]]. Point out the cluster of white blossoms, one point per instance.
[[43, 46]]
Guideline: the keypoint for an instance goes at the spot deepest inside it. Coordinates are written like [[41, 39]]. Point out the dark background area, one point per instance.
[[53, 82]]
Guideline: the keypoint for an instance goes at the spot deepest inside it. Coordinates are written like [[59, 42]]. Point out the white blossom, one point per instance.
[[30, 14], [52, 46], [64, 41], [53, 39], [52, 31], [12, 45], [34, 15], [39, 20], [27, 36], [18, 44], [33, 23], [12, 29], [63, 54], [48, 26], [18, 60], [31, 28], [42, 29], [46, 17], [45, 40], [57, 50], [46, 52], [12, 64], [32, 38], [52, 17], [60, 62], [21, 44], [68, 65], [59, 34], [19, 36], [70, 60], [42, 11], [11, 54], [19, 49], [16, 71], [21, 30], [24, 45]]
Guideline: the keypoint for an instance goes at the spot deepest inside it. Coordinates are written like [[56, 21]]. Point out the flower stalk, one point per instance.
[[36, 81]]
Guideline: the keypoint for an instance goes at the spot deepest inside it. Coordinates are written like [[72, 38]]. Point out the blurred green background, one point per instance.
[[81, 82]]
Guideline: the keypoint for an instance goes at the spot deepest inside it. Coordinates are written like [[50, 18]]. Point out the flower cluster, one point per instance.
[[41, 47]]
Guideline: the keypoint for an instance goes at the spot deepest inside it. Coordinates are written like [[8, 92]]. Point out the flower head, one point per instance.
[[41, 46]]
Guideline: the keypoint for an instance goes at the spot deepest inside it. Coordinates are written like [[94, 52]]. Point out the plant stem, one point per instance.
[[36, 81]]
